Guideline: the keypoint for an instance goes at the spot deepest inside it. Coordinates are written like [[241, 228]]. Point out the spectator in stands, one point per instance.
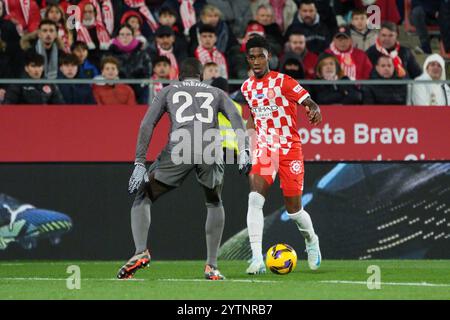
[[282, 12], [73, 93], [296, 48], [293, 68], [424, 12], [207, 51], [141, 7], [387, 44], [24, 14], [135, 63], [236, 13], [226, 40], [210, 72], [31, 93], [112, 94], [93, 32], [86, 68], [168, 17], [384, 94], [354, 62], [272, 31], [46, 43], [308, 22], [444, 24], [187, 12], [326, 13], [161, 71], [10, 52], [389, 11], [134, 20], [328, 68], [165, 45], [433, 94], [363, 37], [56, 14]]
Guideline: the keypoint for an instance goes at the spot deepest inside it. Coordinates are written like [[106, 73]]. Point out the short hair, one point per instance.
[[111, 60], [389, 26], [307, 2], [257, 41], [296, 33], [123, 26], [69, 59], [167, 10], [359, 12], [382, 57], [210, 64], [190, 68], [48, 22], [159, 59], [210, 8], [266, 7], [81, 45], [34, 58], [207, 28]]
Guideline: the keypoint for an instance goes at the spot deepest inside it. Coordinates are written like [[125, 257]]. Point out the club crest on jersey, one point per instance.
[[296, 166], [270, 94]]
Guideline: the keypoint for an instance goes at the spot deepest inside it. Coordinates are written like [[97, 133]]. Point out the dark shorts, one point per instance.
[[169, 173]]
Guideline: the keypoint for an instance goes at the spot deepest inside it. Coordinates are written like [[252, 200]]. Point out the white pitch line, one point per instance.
[[414, 284], [226, 280]]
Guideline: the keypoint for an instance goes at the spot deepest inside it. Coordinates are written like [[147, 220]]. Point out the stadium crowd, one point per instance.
[[148, 39]]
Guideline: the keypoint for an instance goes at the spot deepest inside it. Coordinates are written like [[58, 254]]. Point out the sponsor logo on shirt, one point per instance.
[[259, 96], [298, 88]]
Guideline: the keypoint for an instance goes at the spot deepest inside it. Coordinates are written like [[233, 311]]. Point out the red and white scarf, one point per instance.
[[25, 5], [398, 63], [204, 56], [173, 62], [346, 61], [145, 11], [157, 86], [64, 36], [278, 8], [102, 35], [108, 15], [187, 14]]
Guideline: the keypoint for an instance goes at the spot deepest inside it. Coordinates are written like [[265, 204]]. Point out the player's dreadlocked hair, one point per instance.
[[257, 41], [191, 68]]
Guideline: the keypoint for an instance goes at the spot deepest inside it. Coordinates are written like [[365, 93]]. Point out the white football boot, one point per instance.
[[257, 266], [313, 251]]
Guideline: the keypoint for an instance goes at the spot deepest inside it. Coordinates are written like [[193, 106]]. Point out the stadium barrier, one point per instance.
[[108, 134]]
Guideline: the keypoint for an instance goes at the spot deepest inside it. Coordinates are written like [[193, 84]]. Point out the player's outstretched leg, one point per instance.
[[214, 225], [140, 224], [255, 225], [305, 226]]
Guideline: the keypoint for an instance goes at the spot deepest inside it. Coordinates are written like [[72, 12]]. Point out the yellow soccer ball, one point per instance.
[[281, 258]]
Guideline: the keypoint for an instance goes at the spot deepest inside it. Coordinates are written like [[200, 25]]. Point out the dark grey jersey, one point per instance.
[[193, 109]]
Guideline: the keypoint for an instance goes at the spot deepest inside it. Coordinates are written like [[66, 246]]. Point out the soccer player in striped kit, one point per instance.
[[273, 98]]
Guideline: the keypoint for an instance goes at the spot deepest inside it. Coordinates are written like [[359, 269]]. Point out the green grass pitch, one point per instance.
[[400, 279]]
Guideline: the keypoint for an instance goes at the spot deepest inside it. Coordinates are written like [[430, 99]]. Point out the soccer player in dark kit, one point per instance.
[[191, 105]]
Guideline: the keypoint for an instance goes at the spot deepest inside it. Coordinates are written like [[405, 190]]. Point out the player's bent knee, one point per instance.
[[256, 200]]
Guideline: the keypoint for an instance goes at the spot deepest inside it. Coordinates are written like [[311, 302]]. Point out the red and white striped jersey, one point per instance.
[[273, 102]]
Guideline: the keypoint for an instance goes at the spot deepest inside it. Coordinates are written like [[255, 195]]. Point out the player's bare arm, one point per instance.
[[313, 111]]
